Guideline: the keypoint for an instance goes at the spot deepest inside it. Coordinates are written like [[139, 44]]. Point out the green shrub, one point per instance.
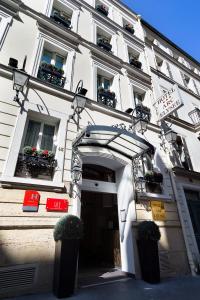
[[148, 230], [68, 227]]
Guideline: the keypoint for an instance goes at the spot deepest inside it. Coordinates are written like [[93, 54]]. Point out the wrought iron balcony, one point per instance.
[[149, 183], [58, 18], [50, 74], [107, 98], [102, 9], [143, 112], [136, 63], [129, 28], [29, 166], [103, 43]]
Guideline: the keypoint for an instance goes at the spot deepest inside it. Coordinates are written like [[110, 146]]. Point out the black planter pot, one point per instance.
[[149, 260], [136, 63], [65, 267], [153, 187]]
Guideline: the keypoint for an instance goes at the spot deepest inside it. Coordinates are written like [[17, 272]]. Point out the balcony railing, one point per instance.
[[136, 63], [150, 183], [50, 74], [104, 43], [106, 97], [143, 112], [102, 9], [58, 18], [29, 166]]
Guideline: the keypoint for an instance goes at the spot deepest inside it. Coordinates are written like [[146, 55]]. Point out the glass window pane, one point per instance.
[[59, 62], [32, 133], [47, 137], [96, 172], [106, 84], [47, 56]]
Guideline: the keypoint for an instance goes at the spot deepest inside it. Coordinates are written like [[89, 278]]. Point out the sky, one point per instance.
[[179, 20]]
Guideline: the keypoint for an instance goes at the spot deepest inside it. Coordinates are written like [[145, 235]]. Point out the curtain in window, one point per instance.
[[47, 137], [32, 134]]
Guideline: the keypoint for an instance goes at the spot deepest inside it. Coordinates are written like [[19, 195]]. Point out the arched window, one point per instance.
[[96, 172]]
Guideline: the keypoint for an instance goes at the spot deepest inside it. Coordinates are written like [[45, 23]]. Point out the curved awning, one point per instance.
[[120, 140]]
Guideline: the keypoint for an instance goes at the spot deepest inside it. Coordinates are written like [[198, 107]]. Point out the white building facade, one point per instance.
[[125, 65]]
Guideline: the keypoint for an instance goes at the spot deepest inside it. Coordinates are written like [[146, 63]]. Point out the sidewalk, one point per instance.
[[182, 288]]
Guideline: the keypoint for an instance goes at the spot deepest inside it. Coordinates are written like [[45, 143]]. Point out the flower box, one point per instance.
[[129, 28], [106, 97], [102, 9], [51, 74], [60, 19], [104, 43], [34, 163], [143, 112], [136, 63]]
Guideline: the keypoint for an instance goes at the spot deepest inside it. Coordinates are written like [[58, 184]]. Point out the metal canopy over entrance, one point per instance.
[[113, 138]]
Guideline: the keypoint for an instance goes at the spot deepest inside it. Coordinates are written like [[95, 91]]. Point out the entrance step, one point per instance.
[[94, 277]]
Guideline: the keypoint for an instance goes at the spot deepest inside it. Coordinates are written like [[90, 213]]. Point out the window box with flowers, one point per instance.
[[61, 18], [106, 97], [51, 73], [128, 27], [102, 9], [104, 43], [33, 163]]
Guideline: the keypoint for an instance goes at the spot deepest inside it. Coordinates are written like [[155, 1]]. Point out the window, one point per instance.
[[37, 156], [104, 39], [40, 135], [181, 155], [186, 79], [51, 68], [164, 67], [104, 93], [63, 18], [138, 98], [5, 21], [96, 172], [134, 58]]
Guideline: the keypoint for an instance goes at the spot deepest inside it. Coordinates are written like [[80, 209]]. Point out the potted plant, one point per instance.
[[102, 9], [148, 237], [135, 62], [67, 234], [129, 28], [61, 18], [104, 43], [153, 182]]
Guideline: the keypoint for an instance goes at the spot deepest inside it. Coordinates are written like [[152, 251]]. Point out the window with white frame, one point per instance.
[[134, 57], [181, 156], [163, 66], [51, 67], [104, 39], [5, 21], [105, 93], [37, 154], [189, 83], [65, 13], [102, 8]]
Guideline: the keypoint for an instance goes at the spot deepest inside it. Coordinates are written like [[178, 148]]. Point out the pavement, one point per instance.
[[181, 288]]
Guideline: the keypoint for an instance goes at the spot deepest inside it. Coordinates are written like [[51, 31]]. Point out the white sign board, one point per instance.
[[168, 103]]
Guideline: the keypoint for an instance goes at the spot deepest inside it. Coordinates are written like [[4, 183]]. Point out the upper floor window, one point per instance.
[[62, 17], [105, 95], [190, 83], [104, 39], [134, 58], [5, 21], [51, 68], [96, 172], [102, 8], [128, 26], [181, 155], [163, 66]]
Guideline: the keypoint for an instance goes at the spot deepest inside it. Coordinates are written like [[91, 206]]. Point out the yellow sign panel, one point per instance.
[[158, 210]]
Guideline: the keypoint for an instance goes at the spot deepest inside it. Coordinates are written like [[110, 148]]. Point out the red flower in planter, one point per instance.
[[45, 152], [34, 149]]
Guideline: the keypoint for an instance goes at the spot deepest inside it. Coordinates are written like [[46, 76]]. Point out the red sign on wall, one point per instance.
[[57, 204], [31, 201]]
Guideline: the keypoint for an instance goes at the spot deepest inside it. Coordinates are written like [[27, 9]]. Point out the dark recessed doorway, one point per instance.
[[100, 246]]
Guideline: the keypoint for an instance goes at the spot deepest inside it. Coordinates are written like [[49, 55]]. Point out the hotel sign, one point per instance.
[[158, 210], [168, 103]]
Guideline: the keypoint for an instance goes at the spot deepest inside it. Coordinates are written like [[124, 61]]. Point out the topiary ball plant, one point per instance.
[[148, 230], [68, 227]]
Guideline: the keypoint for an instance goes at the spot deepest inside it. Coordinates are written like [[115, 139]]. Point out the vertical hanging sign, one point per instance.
[[31, 201]]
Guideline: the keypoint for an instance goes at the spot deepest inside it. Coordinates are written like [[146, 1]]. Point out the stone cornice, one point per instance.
[[11, 7], [138, 74]]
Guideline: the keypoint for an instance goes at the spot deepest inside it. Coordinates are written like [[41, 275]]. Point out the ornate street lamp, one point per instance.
[[195, 116], [76, 174], [79, 101], [143, 116], [171, 136], [20, 77]]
